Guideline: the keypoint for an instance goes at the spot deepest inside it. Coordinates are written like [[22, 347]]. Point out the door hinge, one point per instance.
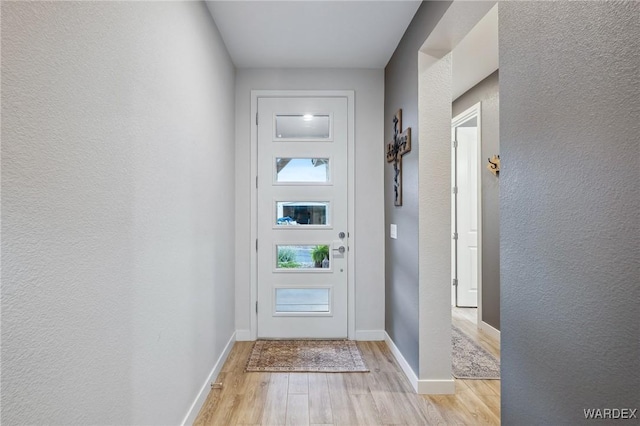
[[256, 306], [455, 189], [256, 244], [455, 144], [455, 235], [256, 181], [256, 118], [455, 282]]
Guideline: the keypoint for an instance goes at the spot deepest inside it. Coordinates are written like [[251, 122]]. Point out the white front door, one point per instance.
[[302, 217], [465, 133]]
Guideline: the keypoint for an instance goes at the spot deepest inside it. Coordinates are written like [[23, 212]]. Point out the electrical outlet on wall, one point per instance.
[[393, 231]]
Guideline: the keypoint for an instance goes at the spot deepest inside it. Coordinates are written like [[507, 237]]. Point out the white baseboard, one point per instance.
[[243, 336], [490, 330], [206, 387], [428, 387], [437, 387], [406, 368], [378, 335], [366, 335]]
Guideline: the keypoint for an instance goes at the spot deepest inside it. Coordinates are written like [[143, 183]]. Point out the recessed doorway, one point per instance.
[[465, 208]]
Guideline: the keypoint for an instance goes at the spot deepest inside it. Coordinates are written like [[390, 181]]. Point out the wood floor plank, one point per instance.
[[227, 411], [395, 400], [406, 398], [495, 385], [297, 410], [234, 382], [275, 407], [319, 399], [384, 357], [481, 413], [238, 357], [388, 409], [365, 409], [411, 406], [298, 383], [208, 408], [341, 406], [355, 383], [481, 387], [370, 359], [493, 404], [252, 405], [430, 412], [451, 409], [231, 397]]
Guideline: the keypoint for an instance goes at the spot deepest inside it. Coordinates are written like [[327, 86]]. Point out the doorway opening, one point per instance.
[[448, 68], [466, 210]]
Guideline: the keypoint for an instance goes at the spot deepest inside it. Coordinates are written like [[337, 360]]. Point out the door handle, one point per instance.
[[338, 248]]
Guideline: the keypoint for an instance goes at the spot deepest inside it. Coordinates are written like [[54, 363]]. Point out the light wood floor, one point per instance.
[[381, 397]]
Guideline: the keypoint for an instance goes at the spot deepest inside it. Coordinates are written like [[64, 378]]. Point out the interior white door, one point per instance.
[[466, 210], [302, 217]]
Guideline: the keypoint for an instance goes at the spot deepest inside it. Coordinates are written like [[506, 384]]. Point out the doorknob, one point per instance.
[[340, 249]]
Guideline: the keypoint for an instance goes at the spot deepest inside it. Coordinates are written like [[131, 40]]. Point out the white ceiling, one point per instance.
[[312, 34]]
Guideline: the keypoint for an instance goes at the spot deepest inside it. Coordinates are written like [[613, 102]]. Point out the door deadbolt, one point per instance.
[[341, 235]]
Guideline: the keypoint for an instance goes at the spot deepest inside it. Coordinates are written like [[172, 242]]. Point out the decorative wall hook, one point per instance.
[[494, 165]]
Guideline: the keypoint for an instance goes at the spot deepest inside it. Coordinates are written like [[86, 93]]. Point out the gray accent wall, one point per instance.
[[569, 207], [401, 262], [487, 92]]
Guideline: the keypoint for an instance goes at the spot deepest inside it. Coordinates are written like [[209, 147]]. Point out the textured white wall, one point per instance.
[[369, 163], [435, 224], [117, 220]]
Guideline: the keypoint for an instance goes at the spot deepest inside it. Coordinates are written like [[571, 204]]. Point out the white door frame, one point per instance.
[[350, 95], [458, 119]]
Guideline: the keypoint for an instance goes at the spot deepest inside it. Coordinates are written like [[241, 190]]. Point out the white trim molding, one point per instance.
[[424, 387], [474, 110], [371, 335], [406, 368], [194, 409], [490, 330], [243, 336], [437, 387]]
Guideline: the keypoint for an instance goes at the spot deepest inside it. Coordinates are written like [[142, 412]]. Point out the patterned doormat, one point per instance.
[[329, 356], [470, 360]]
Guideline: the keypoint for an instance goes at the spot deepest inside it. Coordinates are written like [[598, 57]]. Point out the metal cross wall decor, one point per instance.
[[395, 151]]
